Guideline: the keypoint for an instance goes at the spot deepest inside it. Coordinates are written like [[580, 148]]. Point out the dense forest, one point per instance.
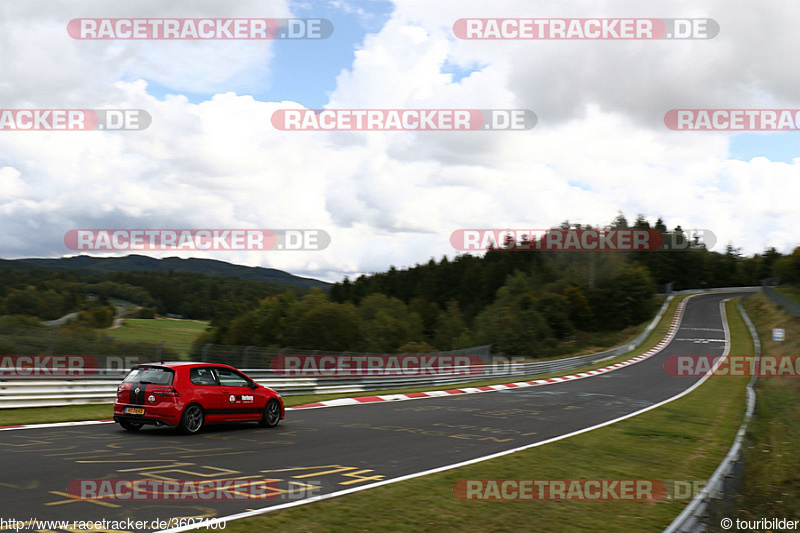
[[49, 294], [534, 302]]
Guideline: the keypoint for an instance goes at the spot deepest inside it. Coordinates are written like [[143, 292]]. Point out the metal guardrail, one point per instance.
[[791, 307], [18, 392], [696, 517], [101, 388], [262, 356], [751, 288]]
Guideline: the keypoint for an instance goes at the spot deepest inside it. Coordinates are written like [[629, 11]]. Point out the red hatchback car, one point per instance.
[[190, 395]]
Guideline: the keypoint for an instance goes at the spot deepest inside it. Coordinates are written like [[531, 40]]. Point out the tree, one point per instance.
[[327, 326], [46, 305], [416, 347], [97, 316], [429, 312], [242, 330], [387, 324], [641, 222], [512, 323], [626, 299], [272, 318], [579, 310], [450, 327], [787, 268], [554, 308], [620, 222]]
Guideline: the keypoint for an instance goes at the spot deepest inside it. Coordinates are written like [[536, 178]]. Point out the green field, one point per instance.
[[176, 334]]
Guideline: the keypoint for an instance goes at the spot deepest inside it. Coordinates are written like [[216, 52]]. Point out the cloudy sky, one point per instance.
[[212, 158]]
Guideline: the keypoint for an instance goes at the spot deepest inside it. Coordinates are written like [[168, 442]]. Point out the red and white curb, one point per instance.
[[673, 329]]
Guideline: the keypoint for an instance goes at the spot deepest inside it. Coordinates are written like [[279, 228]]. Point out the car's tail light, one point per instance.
[[165, 391]]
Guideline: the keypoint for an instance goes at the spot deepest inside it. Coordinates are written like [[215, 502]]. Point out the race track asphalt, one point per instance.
[[321, 451]]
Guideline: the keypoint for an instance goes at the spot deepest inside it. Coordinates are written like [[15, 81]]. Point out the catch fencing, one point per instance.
[[791, 307], [101, 387], [262, 357]]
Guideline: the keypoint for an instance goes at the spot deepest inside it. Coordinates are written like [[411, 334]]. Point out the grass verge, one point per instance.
[[67, 413], [772, 468]]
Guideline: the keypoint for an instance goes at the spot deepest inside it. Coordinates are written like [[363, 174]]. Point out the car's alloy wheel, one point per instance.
[[192, 419], [272, 414]]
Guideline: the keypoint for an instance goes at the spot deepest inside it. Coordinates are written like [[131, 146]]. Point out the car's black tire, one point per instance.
[[272, 414], [192, 419], [130, 426]]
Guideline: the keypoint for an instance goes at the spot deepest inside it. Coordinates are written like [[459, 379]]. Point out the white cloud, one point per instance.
[[395, 198]]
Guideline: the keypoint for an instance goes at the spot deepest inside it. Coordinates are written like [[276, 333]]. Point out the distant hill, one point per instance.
[[210, 267]]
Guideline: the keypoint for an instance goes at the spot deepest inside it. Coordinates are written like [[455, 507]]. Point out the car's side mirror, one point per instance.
[[253, 385]]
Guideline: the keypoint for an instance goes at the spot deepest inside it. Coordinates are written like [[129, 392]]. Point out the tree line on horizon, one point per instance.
[[535, 302], [50, 294]]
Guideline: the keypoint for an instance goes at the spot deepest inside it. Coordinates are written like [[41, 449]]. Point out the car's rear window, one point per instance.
[[150, 374]]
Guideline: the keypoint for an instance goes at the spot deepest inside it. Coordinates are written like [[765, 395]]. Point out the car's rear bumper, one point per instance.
[[155, 415], [150, 421]]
